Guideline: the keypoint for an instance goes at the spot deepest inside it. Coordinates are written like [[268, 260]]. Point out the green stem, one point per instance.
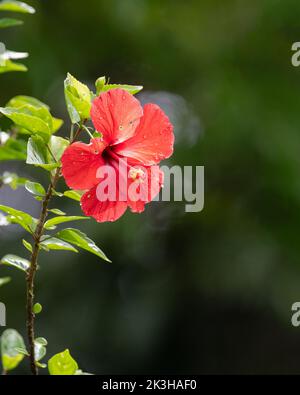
[[34, 263], [79, 130], [32, 271], [87, 130]]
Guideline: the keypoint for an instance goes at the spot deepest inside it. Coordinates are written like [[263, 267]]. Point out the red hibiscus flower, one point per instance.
[[134, 140]]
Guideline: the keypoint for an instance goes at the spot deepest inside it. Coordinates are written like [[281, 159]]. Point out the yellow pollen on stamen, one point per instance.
[[136, 174]]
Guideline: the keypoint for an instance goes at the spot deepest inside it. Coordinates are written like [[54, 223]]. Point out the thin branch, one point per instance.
[[32, 272], [79, 130], [87, 130], [34, 263], [72, 132]]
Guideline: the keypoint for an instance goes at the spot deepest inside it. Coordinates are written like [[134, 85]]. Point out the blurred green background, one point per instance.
[[209, 292]]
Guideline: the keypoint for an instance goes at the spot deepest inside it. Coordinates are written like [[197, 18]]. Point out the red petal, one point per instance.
[[147, 188], [80, 163], [116, 114], [153, 139], [101, 211]]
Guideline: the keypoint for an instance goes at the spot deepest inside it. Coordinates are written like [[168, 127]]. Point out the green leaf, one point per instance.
[[38, 198], [41, 365], [133, 89], [55, 193], [56, 211], [101, 81], [6, 54], [102, 86], [53, 243], [22, 101], [13, 150], [80, 239], [79, 372], [27, 245], [62, 364], [9, 66], [19, 217], [12, 179], [10, 341], [78, 99], [15, 261], [37, 120], [35, 188], [42, 341], [16, 6], [57, 146], [97, 135], [4, 280], [9, 22], [23, 351], [73, 195], [37, 308], [57, 124], [51, 223], [39, 348], [38, 153]]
